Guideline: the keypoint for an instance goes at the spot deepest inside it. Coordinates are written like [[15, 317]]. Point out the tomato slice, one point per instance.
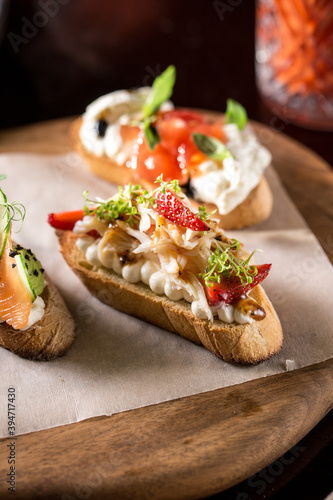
[[192, 118], [150, 164], [176, 154]]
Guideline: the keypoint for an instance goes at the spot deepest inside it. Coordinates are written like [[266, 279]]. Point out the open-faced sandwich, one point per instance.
[[137, 135], [150, 255], [34, 321]]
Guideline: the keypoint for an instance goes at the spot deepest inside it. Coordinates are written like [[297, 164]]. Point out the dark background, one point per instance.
[[91, 47], [56, 56]]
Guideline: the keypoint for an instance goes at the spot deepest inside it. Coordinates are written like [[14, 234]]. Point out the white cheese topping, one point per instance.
[[36, 312], [228, 183], [116, 108]]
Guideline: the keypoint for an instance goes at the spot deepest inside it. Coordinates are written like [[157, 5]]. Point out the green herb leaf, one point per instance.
[[210, 146], [151, 134], [235, 113], [3, 177], [162, 89]]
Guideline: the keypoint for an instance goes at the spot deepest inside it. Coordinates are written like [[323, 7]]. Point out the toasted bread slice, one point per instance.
[[254, 209], [244, 344], [48, 338]]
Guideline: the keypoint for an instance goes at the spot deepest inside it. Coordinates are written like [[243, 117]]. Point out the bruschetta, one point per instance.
[[137, 135], [149, 254], [34, 320]]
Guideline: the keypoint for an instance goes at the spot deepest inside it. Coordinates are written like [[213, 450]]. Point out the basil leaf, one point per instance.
[[235, 113], [151, 134], [162, 89], [210, 146]]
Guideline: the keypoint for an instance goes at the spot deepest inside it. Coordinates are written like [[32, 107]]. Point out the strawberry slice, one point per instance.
[[65, 220], [173, 209], [231, 289]]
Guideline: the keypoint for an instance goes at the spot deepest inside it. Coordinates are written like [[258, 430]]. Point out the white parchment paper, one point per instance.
[[119, 363]]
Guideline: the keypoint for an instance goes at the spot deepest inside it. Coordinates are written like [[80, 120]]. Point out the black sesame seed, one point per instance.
[[26, 256], [35, 272], [13, 253], [13, 265], [42, 270]]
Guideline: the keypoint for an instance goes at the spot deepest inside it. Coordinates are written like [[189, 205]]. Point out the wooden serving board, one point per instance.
[[195, 446]]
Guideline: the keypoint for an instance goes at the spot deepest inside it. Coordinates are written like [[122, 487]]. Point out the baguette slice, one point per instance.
[[47, 339], [244, 344], [254, 209]]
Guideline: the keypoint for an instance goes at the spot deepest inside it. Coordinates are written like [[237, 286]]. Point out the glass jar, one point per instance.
[[294, 60]]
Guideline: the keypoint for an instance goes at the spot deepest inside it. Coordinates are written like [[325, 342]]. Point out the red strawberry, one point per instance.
[[173, 209], [231, 289]]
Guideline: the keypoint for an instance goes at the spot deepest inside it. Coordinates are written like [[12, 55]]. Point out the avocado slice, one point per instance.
[[30, 270]]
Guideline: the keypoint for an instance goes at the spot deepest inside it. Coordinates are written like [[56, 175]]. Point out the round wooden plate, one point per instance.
[[195, 446]]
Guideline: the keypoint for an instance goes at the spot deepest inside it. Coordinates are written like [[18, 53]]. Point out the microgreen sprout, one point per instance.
[[118, 207], [164, 185], [13, 212], [224, 263], [147, 198], [203, 214]]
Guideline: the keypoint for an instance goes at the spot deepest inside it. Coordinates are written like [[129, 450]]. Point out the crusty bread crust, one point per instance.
[[244, 344], [47, 339], [254, 209]]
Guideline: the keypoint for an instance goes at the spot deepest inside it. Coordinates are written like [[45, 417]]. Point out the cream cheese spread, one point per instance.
[[117, 108], [36, 312], [228, 183], [160, 281]]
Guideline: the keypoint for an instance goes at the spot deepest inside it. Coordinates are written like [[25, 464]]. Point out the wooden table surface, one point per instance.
[[195, 446]]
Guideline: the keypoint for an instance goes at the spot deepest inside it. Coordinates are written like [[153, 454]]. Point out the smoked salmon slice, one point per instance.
[[15, 301]]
